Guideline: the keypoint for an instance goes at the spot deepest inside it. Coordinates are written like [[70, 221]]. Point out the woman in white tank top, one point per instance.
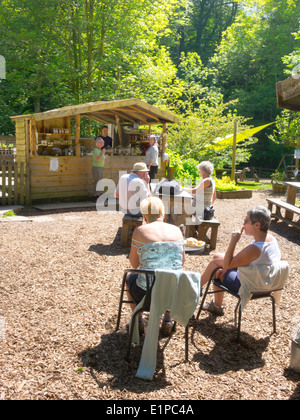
[[270, 252], [204, 194], [263, 250]]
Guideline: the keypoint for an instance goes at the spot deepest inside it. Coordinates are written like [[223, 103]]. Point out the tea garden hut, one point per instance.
[[59, 159]]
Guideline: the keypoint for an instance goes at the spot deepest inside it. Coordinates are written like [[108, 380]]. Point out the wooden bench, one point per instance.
[[291, 210], [203, 227], [129, 223]]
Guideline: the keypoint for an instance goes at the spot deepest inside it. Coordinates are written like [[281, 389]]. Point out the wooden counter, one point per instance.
[[74, 175]]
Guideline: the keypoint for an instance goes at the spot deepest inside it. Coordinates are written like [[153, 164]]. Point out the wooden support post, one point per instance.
[[77, 135], [297, 160], [68, 126], [291, 199], [111, 133], [27, 139], [27, 171], [32, 135], [119, 130], [164, 141]]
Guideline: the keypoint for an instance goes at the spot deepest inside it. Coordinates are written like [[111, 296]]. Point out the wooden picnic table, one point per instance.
[[292, 192], [289, 206], [291, 196]]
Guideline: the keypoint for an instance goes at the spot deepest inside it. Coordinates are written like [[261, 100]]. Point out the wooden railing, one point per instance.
[[6, 155], [14, 183]]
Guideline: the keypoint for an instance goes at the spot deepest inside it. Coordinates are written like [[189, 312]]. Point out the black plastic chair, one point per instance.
[[150, 280], [238, 309]]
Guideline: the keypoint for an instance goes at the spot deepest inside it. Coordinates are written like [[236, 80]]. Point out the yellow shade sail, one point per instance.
[[228, 141]]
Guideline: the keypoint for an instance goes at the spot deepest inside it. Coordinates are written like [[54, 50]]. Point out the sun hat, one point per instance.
[[140, 166]]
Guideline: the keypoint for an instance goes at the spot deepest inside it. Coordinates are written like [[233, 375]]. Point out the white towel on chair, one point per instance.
[[178, 292], [262, 278]]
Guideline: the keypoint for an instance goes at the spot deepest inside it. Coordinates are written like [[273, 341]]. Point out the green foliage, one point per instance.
[[61, 53], [9, 213], [190, 170], [226, 184], [208, 61], [277, 177], [194, 134], [292, 60], [287, 129], [185, 170], [255, 185], [248, 61], [198, 26], [204, 117], [175, 162]]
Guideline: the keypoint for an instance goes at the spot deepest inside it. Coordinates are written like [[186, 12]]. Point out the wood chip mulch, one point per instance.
[[60, 278]]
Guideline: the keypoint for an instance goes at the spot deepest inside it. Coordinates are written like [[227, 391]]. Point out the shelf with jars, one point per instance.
[[53, 140], [139, 140]]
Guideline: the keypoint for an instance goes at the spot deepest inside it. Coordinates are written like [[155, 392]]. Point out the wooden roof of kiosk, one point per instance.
[[70, 179], [126, 110], [288, 94]]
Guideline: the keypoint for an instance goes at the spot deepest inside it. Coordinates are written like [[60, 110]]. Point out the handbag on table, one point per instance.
[[209, 213]]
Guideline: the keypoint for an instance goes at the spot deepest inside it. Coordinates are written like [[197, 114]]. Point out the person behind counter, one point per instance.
[[98, 164], [152, 157], [107, 140]]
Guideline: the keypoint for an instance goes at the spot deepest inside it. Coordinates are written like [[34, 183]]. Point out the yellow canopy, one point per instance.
[[228, 141]]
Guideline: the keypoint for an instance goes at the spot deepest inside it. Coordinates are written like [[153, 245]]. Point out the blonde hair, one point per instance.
[[153, 208]]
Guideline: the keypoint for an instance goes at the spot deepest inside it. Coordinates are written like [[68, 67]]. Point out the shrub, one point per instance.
[[226, 184]]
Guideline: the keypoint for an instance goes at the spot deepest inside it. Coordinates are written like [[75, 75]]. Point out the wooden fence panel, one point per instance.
[[15, 183]]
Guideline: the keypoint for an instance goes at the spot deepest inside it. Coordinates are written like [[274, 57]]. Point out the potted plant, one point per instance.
[[278, 185]]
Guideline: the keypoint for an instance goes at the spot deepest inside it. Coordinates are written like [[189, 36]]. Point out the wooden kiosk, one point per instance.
[[60, 160], [288, 97], [288, 93]]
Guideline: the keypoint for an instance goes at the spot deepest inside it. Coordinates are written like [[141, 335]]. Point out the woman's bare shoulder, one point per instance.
[[157, 232]]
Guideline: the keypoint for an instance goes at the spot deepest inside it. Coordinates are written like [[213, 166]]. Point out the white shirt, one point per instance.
[[270, 253], [152, 155], [131, 190]]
